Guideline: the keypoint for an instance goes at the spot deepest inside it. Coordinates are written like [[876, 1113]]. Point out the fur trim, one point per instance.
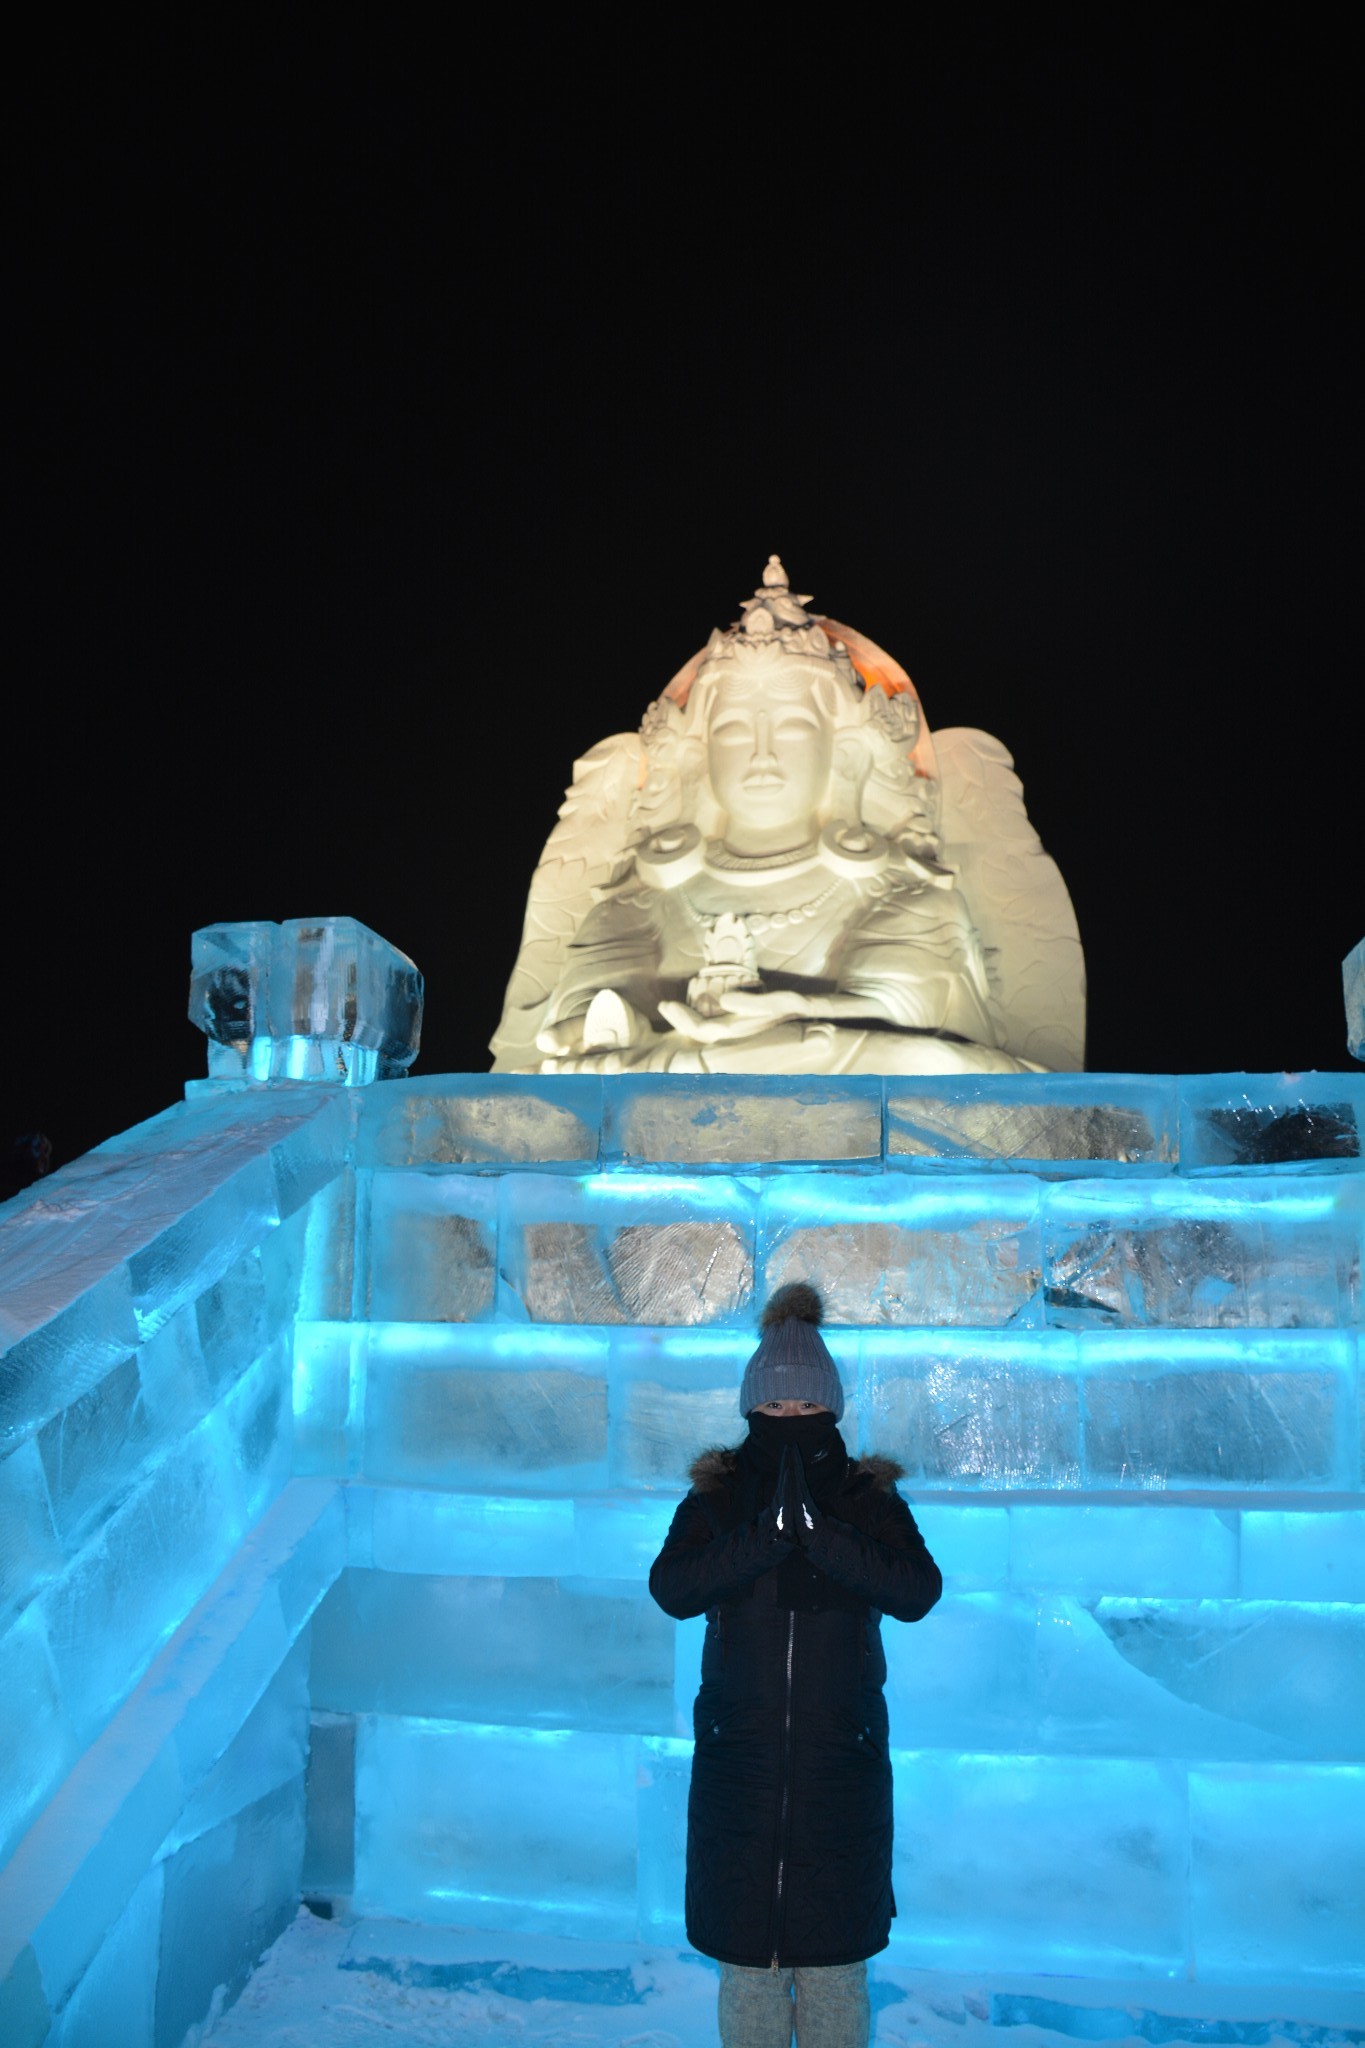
[[711, 1471], [795, 1300]]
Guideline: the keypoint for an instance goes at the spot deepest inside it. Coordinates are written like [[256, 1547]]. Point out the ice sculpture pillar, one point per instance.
[[312, 999]]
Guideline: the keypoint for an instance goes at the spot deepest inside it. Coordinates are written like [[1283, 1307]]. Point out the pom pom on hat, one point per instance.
[[797, 1299]]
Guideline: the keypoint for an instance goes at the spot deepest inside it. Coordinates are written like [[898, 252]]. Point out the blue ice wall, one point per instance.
[[339, 1428]]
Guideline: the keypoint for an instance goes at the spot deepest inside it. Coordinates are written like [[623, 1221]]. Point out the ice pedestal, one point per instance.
[[312, 999]]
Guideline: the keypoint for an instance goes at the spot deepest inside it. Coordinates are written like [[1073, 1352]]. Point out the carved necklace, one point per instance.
[[760, 921]]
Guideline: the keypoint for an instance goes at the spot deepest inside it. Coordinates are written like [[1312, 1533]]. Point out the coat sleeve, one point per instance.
[[889, 1566], [696, 1569]]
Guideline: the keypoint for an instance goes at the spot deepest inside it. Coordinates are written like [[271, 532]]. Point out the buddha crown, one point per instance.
[[774, 618]]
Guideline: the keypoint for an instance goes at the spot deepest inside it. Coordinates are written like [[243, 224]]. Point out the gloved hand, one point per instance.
[[796, 1509]]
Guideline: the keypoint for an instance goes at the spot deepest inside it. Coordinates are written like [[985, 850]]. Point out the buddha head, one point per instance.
[[770, 733]]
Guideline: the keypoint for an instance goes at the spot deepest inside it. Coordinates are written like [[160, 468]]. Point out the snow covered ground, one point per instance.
[[386, 1984]]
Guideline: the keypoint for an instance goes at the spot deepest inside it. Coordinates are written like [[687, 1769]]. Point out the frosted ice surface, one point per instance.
[[329, 1852], [618, 1537], [1216, 1413], [529, 1651], [888, 1251], [972, 1412], [37, 1743], [29, 1550], [460, 1426], [663, 1120], [969, 1680], [680, 1272], [1295, 1670], [1288, 1556], [665, 1774], [92, 1450], [662, 1429], [1143, 1549], [433, 1247], [114, 2004], [528, 1829], [1278, 1873], [228, 1894], [138, 1579], [1074, 1864], [566, 1277], [970, 1545], [1197, 1255], [1047, 1121], [481, 1120], [268, 1750], [463, 1533]]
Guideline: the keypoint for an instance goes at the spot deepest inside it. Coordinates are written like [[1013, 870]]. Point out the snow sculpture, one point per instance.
[[783, 873], [314, 998]]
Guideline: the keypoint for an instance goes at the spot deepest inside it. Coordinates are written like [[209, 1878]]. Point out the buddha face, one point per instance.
[[768, 753]]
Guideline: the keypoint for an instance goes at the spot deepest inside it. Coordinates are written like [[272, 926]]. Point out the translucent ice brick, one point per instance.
[[268, 1750], [137, 1580], [1048, 1123], [1144, 1548], [965, 1678], [1310, 1556], [329, 1397], [329, 1852], [114, 2004], [481, 1120], [258, 1418], [1277, 1875], [627, 1248], [235, 1324], [313, 996], [970, 1545], [433, 1247], [92, 1449], [1293, 1669], [49, 1358], [1271, 1123], [619, 1536], [894, 1250], [528, 1829], [327, 1281], [978, 1409], [512, 1537], [528, 1651], [665, 1773], [1062, 1864], [1204, 1254], [37, 1742], [668, 1120], [486, 1408], [29, 1550], [228, 1894], [1199, 1408]]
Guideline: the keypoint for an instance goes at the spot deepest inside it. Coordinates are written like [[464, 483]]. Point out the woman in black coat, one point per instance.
[[793, 1551]]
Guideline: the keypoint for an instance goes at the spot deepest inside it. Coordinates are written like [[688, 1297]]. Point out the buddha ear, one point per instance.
[[849, 767]]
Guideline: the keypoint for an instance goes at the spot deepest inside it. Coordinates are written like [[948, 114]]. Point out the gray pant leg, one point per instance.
[[755, 2009], [832, 2008]]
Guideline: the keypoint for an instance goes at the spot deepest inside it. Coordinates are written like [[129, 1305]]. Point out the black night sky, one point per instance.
[[392, 410]]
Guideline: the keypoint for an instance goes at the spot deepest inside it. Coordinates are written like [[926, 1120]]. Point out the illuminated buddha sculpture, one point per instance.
[[781, 873]]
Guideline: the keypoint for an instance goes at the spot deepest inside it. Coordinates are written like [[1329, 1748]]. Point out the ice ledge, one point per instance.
[[80, 1862]]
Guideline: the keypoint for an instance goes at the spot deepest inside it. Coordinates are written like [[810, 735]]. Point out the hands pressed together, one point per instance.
[[793, 1506]]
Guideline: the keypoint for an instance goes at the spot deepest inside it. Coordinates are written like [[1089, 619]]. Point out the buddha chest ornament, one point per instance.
[[782, 872]]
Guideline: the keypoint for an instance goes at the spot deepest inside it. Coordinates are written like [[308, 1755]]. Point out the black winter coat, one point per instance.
[[789, 1816]]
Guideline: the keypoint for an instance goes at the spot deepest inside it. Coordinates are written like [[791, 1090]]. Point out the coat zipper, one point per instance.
[[779, 1902]]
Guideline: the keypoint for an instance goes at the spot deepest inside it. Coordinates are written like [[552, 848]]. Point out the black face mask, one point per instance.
[[815, 1436]]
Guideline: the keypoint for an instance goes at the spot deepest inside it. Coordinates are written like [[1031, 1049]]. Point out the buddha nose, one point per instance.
[[763, 742]]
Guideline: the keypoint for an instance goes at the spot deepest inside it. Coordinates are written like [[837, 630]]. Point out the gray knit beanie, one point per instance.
[[792, 1362]]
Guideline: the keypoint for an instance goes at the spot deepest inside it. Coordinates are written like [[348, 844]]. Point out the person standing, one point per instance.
[[793, 1551]]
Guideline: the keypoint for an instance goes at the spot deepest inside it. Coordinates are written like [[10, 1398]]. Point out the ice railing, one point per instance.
[[1111, 1325]]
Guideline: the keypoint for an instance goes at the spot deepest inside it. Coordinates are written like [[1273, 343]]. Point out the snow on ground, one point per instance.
[[387, 1984]]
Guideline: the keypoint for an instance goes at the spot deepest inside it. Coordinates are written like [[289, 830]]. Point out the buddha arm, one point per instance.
[[617, 946], [916, 960]]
